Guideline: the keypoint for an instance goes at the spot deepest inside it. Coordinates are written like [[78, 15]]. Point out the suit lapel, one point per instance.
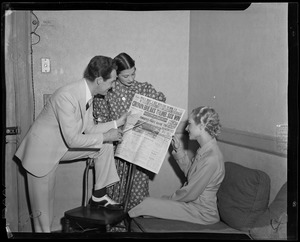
[[82, 103], [80, 92], [82, 98]]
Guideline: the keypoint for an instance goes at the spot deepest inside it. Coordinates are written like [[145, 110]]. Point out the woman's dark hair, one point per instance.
[[124, 62], [99, 66]]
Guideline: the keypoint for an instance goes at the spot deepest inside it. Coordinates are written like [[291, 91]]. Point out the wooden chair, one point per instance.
[[85, 218]]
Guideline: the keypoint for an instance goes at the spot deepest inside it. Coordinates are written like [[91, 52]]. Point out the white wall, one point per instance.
[[157, 40], [239, 65]]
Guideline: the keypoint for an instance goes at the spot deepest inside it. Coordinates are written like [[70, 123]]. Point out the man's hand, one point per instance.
[[113, 135], [122, 120]]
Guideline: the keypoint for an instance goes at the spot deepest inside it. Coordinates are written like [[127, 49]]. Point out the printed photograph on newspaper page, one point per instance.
[[148, 132]]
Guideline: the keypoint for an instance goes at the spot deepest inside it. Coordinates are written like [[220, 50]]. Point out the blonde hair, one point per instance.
[[209, 118]]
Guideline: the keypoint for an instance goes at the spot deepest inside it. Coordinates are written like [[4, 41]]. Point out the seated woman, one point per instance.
[[114, 105], [196, 200]]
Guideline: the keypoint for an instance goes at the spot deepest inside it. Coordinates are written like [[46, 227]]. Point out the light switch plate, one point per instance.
[[45, 65]]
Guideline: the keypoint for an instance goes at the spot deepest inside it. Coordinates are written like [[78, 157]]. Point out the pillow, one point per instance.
[[243, 196], [272, 224]]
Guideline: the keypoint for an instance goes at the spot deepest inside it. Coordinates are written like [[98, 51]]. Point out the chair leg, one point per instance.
[[107, 227], [127, 224], [67, 226]]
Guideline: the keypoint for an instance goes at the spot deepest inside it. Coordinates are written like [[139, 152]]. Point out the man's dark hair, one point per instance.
[[99, 66]]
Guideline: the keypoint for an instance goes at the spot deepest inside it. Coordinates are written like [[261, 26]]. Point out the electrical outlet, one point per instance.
[[12, 131], [45, 65]]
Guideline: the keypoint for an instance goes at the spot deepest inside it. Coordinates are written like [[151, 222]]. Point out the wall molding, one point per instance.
[[259, 142]]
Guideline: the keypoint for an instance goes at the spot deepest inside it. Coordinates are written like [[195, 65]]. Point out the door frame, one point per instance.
[[19, 113]]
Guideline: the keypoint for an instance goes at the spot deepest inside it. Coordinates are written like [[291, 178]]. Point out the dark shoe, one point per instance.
[[106, 202]]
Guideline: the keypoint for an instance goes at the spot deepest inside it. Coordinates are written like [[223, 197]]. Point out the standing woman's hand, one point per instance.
[[122, 120], [176, 144]]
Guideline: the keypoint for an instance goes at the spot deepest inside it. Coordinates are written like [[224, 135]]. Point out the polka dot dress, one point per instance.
[[111, 107]]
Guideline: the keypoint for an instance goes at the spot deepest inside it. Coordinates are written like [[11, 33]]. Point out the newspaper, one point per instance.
[[148, 132]]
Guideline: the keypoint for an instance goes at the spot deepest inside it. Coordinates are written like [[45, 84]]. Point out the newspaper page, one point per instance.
[[148, 132]]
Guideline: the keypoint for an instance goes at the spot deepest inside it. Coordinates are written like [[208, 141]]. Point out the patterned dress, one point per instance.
[[111, 107]]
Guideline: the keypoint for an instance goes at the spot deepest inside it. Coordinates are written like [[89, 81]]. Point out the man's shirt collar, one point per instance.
[[88, 94]]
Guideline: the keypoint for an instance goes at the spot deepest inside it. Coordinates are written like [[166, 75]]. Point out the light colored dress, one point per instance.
[[196, 200]]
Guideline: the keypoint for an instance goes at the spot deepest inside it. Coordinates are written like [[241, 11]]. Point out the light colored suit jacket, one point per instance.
[[58, 128]]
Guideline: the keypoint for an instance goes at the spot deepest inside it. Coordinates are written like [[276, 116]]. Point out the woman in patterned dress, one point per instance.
[[196, 200], [114, 105]]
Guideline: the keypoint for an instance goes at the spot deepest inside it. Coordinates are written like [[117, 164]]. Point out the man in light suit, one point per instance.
[[65, 130]]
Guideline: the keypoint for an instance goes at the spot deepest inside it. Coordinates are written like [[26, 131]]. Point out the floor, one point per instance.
[[127, 235]]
